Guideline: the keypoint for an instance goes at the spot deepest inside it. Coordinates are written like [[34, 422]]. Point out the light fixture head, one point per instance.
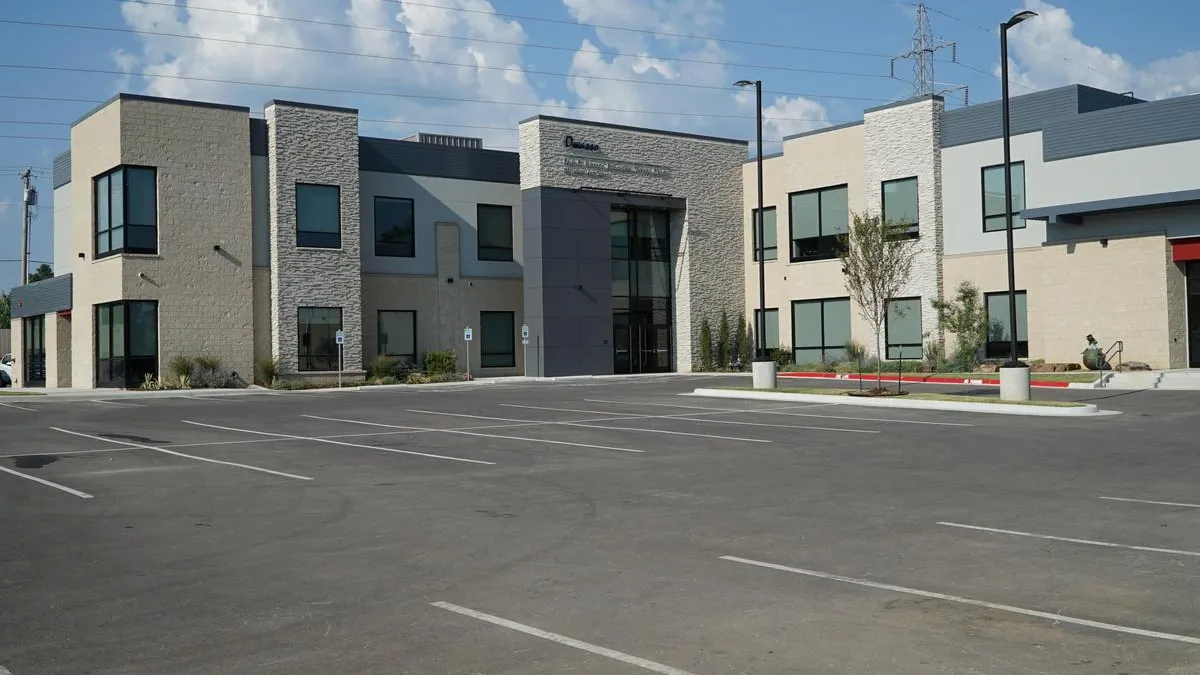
[[744, 83], [1019, 17]]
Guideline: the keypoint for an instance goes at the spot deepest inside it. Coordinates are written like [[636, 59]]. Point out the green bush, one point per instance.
[[856, 352], [782, 356], [182, 366], [706, 346], [804, 368], [724, 342], [208, 362], [267, 371], [382, 366], [418, 378], [934, 355], [440, 362], [745, 342]]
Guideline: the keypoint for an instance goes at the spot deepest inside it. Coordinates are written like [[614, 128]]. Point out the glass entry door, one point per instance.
[[641, 274], [34, 336], [1193, 314]]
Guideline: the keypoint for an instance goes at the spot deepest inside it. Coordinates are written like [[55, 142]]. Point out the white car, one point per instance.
[[6, 370]]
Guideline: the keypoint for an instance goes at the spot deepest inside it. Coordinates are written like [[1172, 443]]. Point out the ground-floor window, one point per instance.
[[33, 334], [820, 329], [398, 334], [903, 328], [769, 330], [999, 318], [126, 343], [317, 332], [497, 339]]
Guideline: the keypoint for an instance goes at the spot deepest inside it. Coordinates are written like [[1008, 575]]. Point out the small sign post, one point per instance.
[[468, 336], [340, 338], [525, 346]]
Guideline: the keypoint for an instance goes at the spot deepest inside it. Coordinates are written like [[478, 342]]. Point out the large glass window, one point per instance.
[[770, 236], [126, 343], [999, 342], [495, 225], [769, 331], [497, 339], [125, 211], [993, 197], [395, 228], [641, 289], [902, 328], [820, 329], [318, 216], [398, 334], [33, 334], [817, 221], [900, 205], [317, 331]]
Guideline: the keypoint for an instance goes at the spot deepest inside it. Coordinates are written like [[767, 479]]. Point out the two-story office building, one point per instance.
[[1106, 203]]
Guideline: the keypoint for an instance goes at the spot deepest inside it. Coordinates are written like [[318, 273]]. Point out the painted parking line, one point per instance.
[[782, 412], [1072, 540], [117, 403], [630, 659], [332, 441], [1147, 501], [685, 417], [1050, 616], [472, 433], [17, 407], [180, 454], [43, 481], [583, 424]]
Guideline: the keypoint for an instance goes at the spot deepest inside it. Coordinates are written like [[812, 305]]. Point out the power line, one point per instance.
[[38, 138], [454, 99], [678, 59]]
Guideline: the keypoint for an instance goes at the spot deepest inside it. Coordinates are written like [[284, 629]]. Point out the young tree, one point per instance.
[[745, 341], [876, 260], [706, 346], [966, 318], [5, 313], [42, 272], [723, 338]]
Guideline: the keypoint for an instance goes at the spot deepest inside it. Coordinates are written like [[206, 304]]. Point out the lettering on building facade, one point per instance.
[[602, 168], [576, 144]]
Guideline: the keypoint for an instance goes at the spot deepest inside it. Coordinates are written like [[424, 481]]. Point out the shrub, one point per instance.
[[782, 356], [382, 366], [856, 352], [745, 342], [184, 381], [966, 318], [723, 342], [706, 346], [388, 379], [268, 371], [208, 362], [181, 366], [440, 362], [444, 377], [935, 355], [417, 378]]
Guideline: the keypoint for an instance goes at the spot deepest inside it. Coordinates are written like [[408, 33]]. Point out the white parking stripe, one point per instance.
[[1054, 617], [130, 405], [17, 407], [1147, 501], [469, 433], [581, 423], [1071, 540], [56, 486], [638, 661], [180, 454], [781, 412], [343, 443], [686, 417]]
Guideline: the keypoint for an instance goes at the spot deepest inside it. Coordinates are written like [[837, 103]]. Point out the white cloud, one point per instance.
[[1045, 53], [793, 115]]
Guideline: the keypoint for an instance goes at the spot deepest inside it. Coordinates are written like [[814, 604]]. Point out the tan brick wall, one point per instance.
[[262, 314], [989, 273]]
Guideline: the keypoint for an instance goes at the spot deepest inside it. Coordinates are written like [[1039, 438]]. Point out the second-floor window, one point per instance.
[[818, 220], [993, 197], [125, 211], [318, 216], [900, 205], [770, 238], [495, 223], [395, 232]]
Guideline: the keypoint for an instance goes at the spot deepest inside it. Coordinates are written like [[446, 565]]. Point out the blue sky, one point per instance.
[[574, 62]]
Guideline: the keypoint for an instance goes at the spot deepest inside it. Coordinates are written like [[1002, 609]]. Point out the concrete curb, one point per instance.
[[912, 379], [1085, 410]]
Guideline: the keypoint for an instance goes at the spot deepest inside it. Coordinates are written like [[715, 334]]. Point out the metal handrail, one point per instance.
[[1119, 346]]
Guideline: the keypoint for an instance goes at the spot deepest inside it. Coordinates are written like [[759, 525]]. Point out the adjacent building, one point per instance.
[[185, 228]]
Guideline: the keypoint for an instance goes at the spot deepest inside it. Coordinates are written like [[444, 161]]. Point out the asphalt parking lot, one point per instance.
[[611, 527]]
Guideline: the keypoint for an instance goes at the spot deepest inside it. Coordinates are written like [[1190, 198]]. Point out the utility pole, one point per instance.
[[28, 199], [924, 47]]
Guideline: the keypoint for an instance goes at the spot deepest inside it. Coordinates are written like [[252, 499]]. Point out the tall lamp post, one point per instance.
[[764, 365], [1014, 375]]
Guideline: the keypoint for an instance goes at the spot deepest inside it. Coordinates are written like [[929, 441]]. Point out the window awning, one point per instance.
[[1073, 213]]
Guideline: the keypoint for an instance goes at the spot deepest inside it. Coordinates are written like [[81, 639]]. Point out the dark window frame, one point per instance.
[[34, 349], [769, 252], [381, 247], [125, 226], [828, 245], [510, 362], [983, 171], [823, 347], [331, 359], [512, 237], [379, 334], [300, 232], [761, 326], [911, 230], [127, 370], [887, 332], [999, 349]]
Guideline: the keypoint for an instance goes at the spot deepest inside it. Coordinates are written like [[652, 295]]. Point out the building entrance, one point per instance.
[[641, 288], [1193, 313], [33, 333]]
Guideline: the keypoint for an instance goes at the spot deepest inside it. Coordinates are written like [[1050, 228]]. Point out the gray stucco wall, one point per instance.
[[1028, 112]]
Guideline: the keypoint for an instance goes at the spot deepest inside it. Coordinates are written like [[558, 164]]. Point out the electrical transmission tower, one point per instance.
[[924, 47]]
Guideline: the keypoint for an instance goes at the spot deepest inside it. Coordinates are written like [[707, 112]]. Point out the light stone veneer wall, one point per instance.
[[706, 172], [313, 144], [902, 141]]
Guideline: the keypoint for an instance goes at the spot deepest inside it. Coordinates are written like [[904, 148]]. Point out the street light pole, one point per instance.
[[1017, 372], [762, 359]]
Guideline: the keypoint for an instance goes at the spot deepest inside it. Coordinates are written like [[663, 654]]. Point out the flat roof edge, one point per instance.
[[626, 127]]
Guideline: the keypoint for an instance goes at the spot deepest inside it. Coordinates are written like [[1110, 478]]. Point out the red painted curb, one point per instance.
[[919, 380]]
